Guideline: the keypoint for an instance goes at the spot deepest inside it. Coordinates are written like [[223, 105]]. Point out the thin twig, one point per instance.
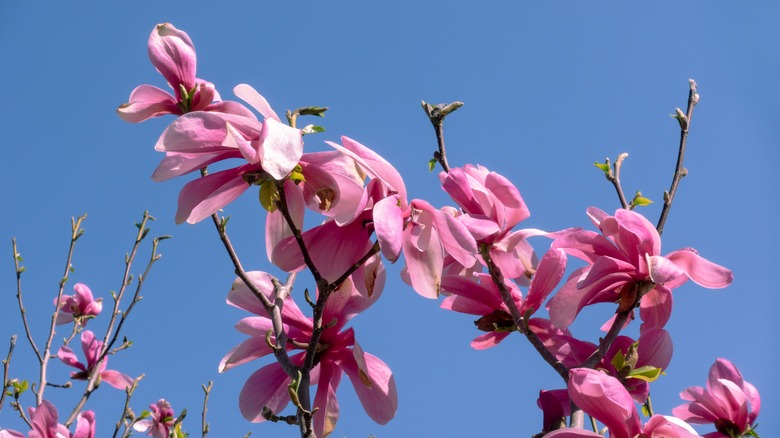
[[206, 393], [126, 412], [614, 178], [22, 310], [436, 114], [76, 232], [6, 365], [679, 170]]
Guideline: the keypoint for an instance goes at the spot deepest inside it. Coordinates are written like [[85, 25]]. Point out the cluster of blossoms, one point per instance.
[[470, 253]]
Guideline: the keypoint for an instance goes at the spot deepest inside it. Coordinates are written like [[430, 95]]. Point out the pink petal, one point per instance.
[[655, 308], [668, 427], [663, 270], [424, 267], [604, 398], [116, 379], [373, 382], [265, 387], [202, 197], [374, 165], [509, 198], [173, 54], [256, 100], [282, 147], [389, 224], [488, 340], [147, 102], [655, 349], [587, 245], [240, 296], [455, 237], [68, 357], [548, 274], [325, 399], [276, 228], [244, 352], [180, 163], [702, 271]]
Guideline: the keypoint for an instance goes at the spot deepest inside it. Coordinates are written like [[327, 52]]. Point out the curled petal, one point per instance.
[[202, 197], [424, 267], [373, 382], [604, 397], [702, 271], [389, 224], [282, 147], [265, 387], [116, 379], [256, 100], [147, 102], [548, 274], [173, 54]]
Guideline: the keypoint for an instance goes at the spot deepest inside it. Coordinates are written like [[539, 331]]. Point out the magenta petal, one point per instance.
[[202, 197], [573, 433], [655, 308], [389, 224], [282, 147], [68, 357], [116, 379], [604, 398], [325, 401], [173, 54], [256, 100], [548, 274], [655, 349], [146, 102], [374, 165], [265, 387], [702, 271], [488, 340], [455, 237], [509, 197], [85, 425], [276, 228], [373, 382]]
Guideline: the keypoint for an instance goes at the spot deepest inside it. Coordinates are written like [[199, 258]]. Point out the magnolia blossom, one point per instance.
[[79, 307], [45, 425], [173, 55], [619, 261], [338, 352], [729, 402], [604, 398], [161, 420], [92, 349]]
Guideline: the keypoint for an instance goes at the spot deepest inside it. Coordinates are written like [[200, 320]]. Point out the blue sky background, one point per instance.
[[549, 87]]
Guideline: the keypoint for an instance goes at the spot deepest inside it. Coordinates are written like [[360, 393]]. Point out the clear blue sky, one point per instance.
[[549, 87]]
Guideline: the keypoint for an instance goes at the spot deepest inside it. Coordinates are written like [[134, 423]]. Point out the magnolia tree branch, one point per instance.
[[76, 232], [436, 114], [679, 171], [22, 310], [126, 411], [204, 426], [6, 365], [110, 333]]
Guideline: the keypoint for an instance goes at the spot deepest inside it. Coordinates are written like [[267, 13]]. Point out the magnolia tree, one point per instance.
[[470, 255]]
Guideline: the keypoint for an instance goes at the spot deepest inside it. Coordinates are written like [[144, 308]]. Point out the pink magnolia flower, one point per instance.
[[627, 254], [79, 307], [270, 150], [478, 295], [555, 406], [729, 402], [604, 398], [338, 353], [161, 420], [92, 348], [173, 55], [45, 425]]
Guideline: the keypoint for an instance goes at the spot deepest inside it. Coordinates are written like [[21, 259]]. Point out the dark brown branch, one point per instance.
[[436, 114]]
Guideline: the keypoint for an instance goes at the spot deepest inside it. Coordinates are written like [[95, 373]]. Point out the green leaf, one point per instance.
[[432, 164], [639, 200], [645, 411], [603, 166], [618, 361], [646, 373], [311, 129], [313, 111], [269, 195], [144, 414]]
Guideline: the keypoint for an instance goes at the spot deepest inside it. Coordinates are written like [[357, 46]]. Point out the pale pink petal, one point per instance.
[[180, 163], [281, 148], [5, 433], [668, 427], [235, 140], [147, 102], [663, 270], [389, 224], [244, 352], [116, 379], [256, 100], [702, 271], [374, 165], [424, 267], [173, 54], [202, 197]]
